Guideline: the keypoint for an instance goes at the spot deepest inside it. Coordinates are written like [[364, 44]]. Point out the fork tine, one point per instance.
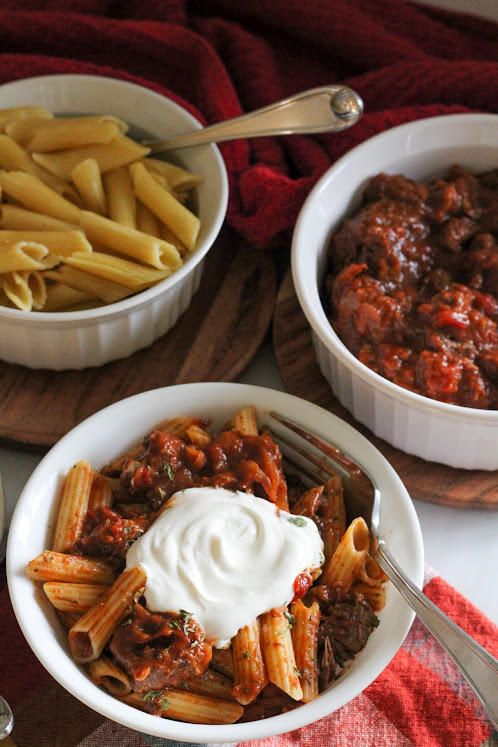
[[360, 493], [350, 468]]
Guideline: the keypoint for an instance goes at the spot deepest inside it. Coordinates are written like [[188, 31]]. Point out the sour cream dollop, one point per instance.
[[226, 557]]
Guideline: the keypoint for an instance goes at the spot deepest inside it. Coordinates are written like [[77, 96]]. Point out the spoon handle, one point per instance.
[[479, 668], [325, 109]]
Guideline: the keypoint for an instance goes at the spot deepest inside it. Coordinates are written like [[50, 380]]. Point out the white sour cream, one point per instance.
[[224, 556]]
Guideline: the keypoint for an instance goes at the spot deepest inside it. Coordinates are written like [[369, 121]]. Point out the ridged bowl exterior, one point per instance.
[[460, 437], [75, 340]]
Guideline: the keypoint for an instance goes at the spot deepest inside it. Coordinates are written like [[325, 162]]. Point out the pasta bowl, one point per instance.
[[424, 150], [88, 336], [114, 431]]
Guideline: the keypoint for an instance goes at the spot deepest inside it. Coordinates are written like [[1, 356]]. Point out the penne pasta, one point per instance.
[[278, 652], [348, 557], [176, 176], [120, 195], [245, 421], [101, 495], [55, 566], [73, 132], [16, 218], [87, 283], [375, 593], [61, 297], [25, 289], [117, 270], [129, 241], [22, 130], [212, 683], [35, 195], [197, 709], [87, 179], [304, 632], [89, 635], [168, 209], [149, 223], [119, 152], [73, 506], [73, 597], [57, 242], [22, 112], [21, 255], [250, 675], [104, 672]]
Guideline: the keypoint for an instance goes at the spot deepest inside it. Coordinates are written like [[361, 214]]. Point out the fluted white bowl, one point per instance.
[[457, 436], [79, 339], [111, 433]]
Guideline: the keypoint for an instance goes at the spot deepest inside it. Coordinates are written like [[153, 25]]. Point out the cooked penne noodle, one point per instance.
[[304, 634], [22, 130], [14, 158], [348, 557], [67, 618], [309, 502], [75, 597], [149, 223], [57, 242], [25, 289], [117, 270], [210, 683], [56, 566], [373, 593], [278, 652], [198, 436], [196, 709], [73, 506], [73, 132], [168, 209], [177, 177], [61, 297], [16, 218], [119, 152], [370, 572], [87, 179], [90, 634], [249, 670], [22, 112], [35, 195], [21, 255], [121, 197], [89, 284], [245, 421], [104, 672], [101, 495], [332, 516], [168, 235], [222, 661], [129, 241]]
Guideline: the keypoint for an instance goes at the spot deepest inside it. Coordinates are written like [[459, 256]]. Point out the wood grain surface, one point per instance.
[[214, 340], [427, 481]]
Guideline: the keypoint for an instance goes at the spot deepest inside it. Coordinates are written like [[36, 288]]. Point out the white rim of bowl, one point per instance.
[[103, 313], [96, 699], [318, 320]]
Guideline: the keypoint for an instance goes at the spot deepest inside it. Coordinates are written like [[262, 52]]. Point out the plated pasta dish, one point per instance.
[[87, 217], [200, 579]]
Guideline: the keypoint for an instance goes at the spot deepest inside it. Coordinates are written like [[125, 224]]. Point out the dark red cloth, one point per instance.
[[223, 57]]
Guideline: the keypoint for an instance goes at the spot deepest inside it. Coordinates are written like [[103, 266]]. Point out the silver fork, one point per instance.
[[363, 497]]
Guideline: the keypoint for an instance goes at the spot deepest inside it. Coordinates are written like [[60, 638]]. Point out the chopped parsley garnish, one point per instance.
[[290, 618], [245, 655], [297, 520], [168, 470], [152, 694]]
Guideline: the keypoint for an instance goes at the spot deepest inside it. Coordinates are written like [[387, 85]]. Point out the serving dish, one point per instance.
[[78, 339], [457, 436], [113, 431]]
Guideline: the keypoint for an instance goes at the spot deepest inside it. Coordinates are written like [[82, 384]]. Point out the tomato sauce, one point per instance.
[[411, 285]]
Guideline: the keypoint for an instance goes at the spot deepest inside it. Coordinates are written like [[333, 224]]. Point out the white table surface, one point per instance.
[[461, 545]]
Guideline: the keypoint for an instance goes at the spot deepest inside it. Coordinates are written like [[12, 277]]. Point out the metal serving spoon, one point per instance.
[[6, 719], [325, 109]]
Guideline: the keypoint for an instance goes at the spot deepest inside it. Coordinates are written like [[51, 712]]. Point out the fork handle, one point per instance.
[[479, 668]]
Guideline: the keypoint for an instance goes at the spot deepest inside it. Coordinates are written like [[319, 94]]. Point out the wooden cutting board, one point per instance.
[[427, 481], [214, 340]]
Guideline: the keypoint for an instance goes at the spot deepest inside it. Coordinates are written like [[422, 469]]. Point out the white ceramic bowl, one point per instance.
[[91, 338], [111, 432], [438, 432]]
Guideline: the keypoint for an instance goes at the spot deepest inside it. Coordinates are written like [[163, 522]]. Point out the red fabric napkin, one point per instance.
[[420, 700], [223, 57]]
